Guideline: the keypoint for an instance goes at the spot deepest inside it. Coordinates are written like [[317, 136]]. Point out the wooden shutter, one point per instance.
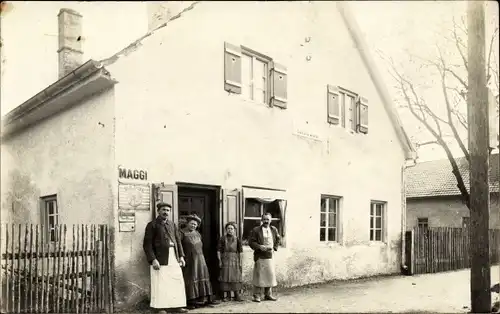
[[232, 68], [167, 194], [232, 210], [279, 84], [333, 104], [362, 115]]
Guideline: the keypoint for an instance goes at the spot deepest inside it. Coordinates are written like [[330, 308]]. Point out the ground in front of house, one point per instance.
[[430, 293]]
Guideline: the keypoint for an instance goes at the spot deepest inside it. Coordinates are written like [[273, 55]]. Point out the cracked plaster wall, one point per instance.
[[69, 154]]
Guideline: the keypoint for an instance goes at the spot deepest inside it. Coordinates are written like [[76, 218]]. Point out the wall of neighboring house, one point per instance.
[[68, 155], [176, 121], [446, 211]]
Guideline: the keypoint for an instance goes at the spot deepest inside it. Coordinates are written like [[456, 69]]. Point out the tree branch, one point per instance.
[[449, 110], [458, 42], [488, 65]]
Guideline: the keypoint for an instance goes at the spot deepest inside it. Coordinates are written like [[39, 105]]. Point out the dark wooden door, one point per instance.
[[203, 203]]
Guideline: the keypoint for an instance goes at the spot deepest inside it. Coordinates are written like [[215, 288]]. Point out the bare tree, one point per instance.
[[444, 118]]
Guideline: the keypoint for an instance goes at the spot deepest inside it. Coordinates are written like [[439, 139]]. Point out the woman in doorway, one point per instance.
[[229, 253], [196, 275]]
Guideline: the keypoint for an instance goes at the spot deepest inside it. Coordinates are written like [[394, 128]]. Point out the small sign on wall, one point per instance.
[[126, 221], [134, 196]]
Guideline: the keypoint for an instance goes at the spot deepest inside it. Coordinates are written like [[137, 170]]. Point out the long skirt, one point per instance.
[[230, 277], [197, 278], [167, 285], [264, 274]]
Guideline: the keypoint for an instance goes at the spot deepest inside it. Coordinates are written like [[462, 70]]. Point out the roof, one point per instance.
[[85, 80], [354, 31], [435, 178]]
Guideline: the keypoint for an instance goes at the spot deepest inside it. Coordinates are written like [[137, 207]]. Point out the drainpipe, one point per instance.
[[405, 166]]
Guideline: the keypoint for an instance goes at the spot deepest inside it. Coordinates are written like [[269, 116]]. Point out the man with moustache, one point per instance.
[[164, 253], [264, 240]]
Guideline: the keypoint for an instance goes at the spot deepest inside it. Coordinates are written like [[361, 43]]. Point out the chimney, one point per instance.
[[70, 41]]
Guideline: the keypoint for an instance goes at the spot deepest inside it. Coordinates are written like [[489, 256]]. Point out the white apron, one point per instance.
[[264, 274], [167, 285]]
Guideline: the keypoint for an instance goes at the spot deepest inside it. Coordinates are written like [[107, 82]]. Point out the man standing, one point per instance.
[[164, 253], [264, 240]]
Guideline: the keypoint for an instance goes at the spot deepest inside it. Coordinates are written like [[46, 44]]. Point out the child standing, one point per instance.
[[229, 253]]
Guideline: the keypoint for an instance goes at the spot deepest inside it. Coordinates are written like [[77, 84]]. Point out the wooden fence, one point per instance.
[[432, 250], [66, 269]]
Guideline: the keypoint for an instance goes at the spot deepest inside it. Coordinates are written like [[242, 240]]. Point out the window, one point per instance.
[[50, 214], [423, 223], [255, 76], [329, 219], [377, 217], [465, 222], [347, 109], [254, 209]]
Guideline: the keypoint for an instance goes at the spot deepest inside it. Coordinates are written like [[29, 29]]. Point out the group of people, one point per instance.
[[179, 272]]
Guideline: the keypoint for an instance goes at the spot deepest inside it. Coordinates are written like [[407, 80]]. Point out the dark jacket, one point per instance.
[[256, 239], [157, 239]]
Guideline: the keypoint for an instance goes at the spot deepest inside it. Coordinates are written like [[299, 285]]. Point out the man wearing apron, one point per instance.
[[164, 253], [264, 240]]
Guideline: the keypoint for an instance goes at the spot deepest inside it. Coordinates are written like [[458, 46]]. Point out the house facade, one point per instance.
[[277, 108], [433, 198]]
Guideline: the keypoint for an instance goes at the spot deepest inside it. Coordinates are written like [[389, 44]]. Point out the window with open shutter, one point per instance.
[[333, 104], [167, 194], [232, 68], [232, 210], [362, 115], [279, 84]]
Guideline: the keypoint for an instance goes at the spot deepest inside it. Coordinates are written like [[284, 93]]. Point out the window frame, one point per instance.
[[383, 222], [423, 222], [337, 227], [50, 230], [343, 93], [267, 61], [465, 221], [261, 208]]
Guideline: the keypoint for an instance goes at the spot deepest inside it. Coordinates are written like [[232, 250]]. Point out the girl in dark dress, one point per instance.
[[196, 276], [229, 253]]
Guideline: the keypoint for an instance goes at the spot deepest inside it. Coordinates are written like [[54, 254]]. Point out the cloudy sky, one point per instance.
[[392, 28]]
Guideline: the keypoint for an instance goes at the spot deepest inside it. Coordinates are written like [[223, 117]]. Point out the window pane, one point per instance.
[[52, 235], [322, 234], [343, 110], [323, 204], [273, 208], [371, 222], [322, 220], [332, 220], [378, 223], [248, 225], [277, 224], [252, 208], [378, 235], [379, 209], [333, 205], [332, 234], [246, 76], [51, 220], [372, 232], [372, 209], [50, 205]]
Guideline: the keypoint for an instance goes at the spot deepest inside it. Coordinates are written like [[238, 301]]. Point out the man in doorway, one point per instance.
[[163, 249], [264, 240]]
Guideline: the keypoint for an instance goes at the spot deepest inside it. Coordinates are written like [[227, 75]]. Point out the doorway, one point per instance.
[[204, 202]]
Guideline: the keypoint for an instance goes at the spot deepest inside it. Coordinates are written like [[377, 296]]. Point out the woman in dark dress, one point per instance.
[[229, 253], [196, 276]]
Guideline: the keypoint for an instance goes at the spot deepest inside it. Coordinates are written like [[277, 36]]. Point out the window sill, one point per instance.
[[330, 244], [377, 243]]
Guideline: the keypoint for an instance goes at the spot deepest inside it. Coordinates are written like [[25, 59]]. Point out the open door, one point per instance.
[[232, 210], [167, 194]]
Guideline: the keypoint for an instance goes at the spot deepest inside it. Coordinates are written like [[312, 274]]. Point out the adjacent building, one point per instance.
[[231, 110], [434, 200]]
